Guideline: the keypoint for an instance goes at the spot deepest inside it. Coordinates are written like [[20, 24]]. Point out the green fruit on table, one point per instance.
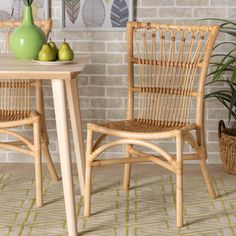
[[54, 47], [46, 53], [65, 53]]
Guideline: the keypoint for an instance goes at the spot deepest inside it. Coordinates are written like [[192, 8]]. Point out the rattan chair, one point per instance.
[[167, 67], [21, 104]]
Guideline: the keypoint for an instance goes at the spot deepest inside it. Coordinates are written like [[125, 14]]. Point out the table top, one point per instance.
[[11, 67]]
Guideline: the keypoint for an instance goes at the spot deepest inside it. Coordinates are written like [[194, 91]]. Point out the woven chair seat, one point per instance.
[[8, 116], [137, 126]]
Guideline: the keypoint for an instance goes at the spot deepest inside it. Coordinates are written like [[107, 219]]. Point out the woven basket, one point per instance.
[[227, 140]]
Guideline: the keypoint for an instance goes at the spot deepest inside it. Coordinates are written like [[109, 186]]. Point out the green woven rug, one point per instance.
[[147, 209]]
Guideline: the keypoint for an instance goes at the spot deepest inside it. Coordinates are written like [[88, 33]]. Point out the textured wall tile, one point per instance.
[[107, 36], [92, 91], [107, 80], [88, 46], [14, 157], [96, 113], [117, 69], [183, 12], [217, 114], [72, 35], [82, 80], [114, 114], [167, 12], [116, 92], [212, 137], [107, 102], [107, 58], [192, 2], [158, 3], [232, 12], [211, 125], [214, 158], [223, 3], [84, 102], [187, 21], [213, 147], [146, 12], [117, 47], [50, 115], [209, 12], [94, 69], [213, 103], [175, 12]]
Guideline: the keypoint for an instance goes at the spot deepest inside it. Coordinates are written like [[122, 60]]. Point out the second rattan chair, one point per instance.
[[167, 67], [17, 110]]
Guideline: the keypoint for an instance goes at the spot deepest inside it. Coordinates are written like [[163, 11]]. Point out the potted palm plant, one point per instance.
[[224, 71]]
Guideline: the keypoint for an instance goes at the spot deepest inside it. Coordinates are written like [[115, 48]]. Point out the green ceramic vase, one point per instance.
[[27, 40]]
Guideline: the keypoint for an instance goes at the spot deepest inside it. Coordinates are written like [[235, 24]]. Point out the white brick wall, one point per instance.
[[103, 82]]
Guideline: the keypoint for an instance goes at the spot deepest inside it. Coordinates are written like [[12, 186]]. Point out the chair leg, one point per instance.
[[179, 181], [45, 149], [40, 110], [88, 174], [207, 179], [127, 170], [38, 162], [47, 156], [87, 195]]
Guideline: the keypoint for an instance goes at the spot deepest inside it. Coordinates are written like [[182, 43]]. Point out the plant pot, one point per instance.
[[27, 40], [227, 141]]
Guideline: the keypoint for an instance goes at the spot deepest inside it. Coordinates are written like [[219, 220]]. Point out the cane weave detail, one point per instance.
[[136, 126], [167, 63]]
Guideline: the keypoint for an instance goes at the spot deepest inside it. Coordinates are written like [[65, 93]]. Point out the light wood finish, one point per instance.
[[44, 135], [64, 149], [179, 179], [207, 179], [88, 176], [38, 161], [167, 67], [75, 117], [127, 169], [16, 110]]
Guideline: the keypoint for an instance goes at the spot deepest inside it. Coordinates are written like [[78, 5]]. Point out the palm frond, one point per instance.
[[223, 43], [224, 64], [219, 19]]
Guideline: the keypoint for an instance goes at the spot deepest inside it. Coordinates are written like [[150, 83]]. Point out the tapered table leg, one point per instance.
[[58, 89], [74, 107]]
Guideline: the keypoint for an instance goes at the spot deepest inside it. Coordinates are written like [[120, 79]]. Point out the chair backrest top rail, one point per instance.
[[157, 26]]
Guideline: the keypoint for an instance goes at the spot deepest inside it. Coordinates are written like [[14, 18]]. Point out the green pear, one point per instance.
[[54, 47], [65, 53], [47, 53]]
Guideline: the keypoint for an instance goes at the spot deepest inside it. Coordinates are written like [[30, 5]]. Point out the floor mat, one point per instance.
[[147, 209]]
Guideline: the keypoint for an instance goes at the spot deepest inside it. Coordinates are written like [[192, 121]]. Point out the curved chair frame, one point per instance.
[[16, 111], [160, 119]]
